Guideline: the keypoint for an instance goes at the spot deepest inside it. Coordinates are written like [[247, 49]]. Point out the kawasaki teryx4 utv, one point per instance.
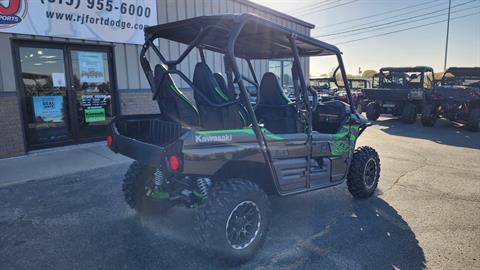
[[400, 92], [456, 97], [221, 156]]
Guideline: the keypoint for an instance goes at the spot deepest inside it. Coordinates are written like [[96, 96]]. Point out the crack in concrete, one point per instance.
[[298, 255], [397, 180]]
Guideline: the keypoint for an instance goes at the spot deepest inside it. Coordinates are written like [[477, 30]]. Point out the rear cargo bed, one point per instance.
[[146, 138]]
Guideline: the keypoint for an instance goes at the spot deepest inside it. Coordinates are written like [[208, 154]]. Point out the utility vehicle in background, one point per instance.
[[324, 86], [456, 97], [401, 92], [221, 156], [356, 87]]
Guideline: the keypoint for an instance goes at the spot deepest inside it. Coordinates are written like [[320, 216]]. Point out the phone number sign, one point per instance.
[[120, 21]]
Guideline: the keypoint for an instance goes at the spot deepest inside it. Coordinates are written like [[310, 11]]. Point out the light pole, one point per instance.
[[448, 30]]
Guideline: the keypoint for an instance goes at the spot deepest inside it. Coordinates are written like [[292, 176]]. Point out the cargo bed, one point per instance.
[[146, 138]]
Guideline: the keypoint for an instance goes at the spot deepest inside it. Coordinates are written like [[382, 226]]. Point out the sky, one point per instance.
[[415, 47]]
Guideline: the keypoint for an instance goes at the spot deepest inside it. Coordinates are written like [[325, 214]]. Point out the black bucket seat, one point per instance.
[[172, 102], [215, 117], [274, 109]]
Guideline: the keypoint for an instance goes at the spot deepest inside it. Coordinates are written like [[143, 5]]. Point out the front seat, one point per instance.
[[212, 117], [329, 116], [274, 109], [172, 102]]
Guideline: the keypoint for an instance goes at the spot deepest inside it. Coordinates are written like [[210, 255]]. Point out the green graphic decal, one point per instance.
[[341, 146], [220, 93], [248, 131]]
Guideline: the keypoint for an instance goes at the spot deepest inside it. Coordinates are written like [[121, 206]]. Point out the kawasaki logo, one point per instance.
[[213, 138], [12, 12]]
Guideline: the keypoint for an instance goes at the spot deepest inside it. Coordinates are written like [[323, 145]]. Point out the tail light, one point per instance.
[[174, 163], [109, 140]]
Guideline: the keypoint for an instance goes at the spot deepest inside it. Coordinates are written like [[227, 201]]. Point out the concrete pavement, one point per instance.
[[425, 215], [42, 164]]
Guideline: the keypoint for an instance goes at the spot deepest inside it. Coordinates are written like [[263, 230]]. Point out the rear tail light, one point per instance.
[[109, 140], [174, 163]]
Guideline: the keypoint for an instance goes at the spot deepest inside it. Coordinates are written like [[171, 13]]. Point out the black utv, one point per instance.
[[456, 97], [400, 92], [356, 87], [221, 156]]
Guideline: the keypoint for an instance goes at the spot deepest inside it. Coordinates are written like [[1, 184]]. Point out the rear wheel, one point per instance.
[[233, 220], [474, 120], [373, 111], [429, 116], [137, 183], [364, 172], [409, 113]]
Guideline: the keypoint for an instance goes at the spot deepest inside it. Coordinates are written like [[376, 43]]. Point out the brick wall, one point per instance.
[[11, 130], [140, 101]]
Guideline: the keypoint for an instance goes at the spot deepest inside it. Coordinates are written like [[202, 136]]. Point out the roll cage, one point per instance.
[[400, 73], [247, 37], [459, 75]]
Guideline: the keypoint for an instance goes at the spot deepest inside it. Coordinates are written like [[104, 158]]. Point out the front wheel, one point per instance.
[[233, 220], [474, 120], [362, 178], [409, 113], [373, 111], [429, 117]]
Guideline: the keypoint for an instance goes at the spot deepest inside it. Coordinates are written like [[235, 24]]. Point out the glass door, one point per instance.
[[91, 86], [44, 82]]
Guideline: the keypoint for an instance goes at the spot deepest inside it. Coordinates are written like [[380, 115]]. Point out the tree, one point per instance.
[[369, 73]]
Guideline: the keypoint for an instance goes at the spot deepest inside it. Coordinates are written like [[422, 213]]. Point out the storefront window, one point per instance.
[[67, 93], [44, 82], [91, 83], [283, 70]]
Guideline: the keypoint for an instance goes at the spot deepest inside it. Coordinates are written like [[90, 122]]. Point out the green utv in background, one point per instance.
[[222, 156], [401, 92], [456, 97]]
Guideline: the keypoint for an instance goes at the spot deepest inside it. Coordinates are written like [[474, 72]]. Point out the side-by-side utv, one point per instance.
[[221, 156], [400, 92], [456, 97], [356, 87]]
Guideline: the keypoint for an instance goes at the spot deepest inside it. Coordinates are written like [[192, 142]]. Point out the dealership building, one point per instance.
[[68, 67]]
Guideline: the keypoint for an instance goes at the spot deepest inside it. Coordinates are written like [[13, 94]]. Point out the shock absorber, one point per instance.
[[203, 184], [158, 177]]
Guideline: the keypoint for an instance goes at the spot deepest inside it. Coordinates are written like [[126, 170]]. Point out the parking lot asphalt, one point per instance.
[[426, 214]]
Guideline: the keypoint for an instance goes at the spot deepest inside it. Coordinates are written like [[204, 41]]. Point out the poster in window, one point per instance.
[[94, 107], [58, 79], [48, 109], [91, 67]]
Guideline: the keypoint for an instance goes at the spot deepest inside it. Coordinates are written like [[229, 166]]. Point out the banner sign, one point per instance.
[[91, 67], [120, 21], [48, 109]]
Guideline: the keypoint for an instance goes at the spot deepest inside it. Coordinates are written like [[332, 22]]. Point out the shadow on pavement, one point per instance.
[[321, 230], [444, 132], [82, 222]]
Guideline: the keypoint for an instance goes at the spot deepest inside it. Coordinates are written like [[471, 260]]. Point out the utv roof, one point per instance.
[[468, 72], [408, 69], [259, 38]]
